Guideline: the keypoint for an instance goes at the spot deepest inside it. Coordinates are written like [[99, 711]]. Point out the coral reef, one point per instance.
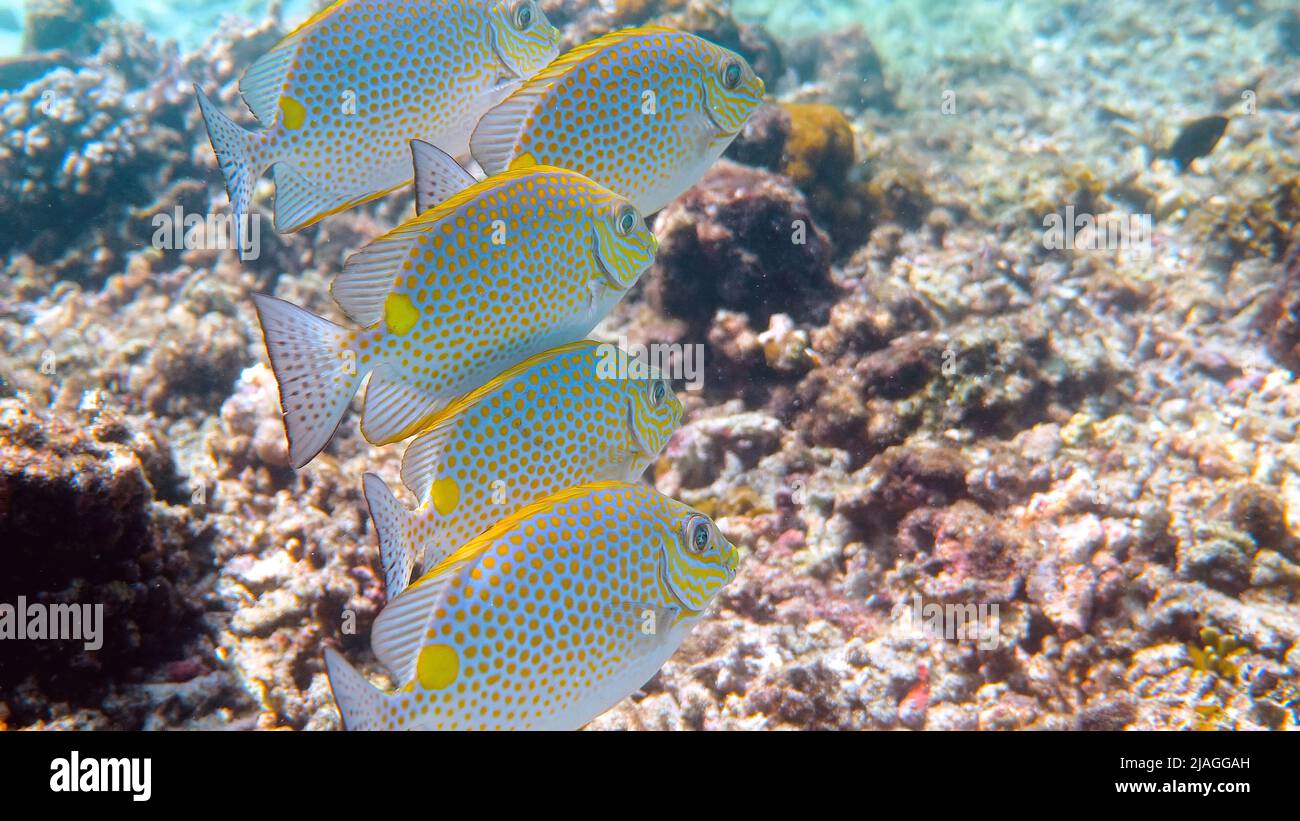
[[758, 237], [92, 512]]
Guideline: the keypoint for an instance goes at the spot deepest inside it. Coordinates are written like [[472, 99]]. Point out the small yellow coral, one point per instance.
[[1218, 655], [820, 149]]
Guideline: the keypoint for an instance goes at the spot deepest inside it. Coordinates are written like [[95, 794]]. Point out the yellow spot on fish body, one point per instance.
[[524, 160], [445, 494], [437, 667], [292, 113], [400, 314]]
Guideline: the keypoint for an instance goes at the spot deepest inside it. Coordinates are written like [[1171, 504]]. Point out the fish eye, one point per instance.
[[523, 16], [731, 73], [699, 534], [658, 392], [625, 221]]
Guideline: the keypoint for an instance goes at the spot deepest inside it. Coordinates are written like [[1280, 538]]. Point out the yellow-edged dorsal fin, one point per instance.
[[316, 18], [497, 135], [264, 82], [367, 278], [475, 547], [420, 462], [565, 62]]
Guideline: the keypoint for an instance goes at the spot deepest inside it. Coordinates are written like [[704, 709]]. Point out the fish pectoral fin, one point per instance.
[[438, 176], [496, 137], [595, 289]]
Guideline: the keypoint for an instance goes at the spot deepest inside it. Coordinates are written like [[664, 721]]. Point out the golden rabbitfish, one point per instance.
[[505, 269], [643, 111], [548, 619], [554, 421], [344, 94]]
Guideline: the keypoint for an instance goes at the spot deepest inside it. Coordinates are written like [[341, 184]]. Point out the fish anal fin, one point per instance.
[[396, 409]]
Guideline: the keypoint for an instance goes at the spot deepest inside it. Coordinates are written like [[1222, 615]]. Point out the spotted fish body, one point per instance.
[[509, 267], [548, 619], [643, 111], [342, 96], [556, 420]]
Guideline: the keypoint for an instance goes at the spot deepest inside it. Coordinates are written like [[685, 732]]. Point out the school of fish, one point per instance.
[[550, 582]]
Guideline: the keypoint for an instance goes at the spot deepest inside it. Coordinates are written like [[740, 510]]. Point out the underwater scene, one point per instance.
[[649, 365]]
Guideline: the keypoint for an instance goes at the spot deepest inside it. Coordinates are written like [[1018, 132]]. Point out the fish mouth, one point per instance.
[[732, 563]]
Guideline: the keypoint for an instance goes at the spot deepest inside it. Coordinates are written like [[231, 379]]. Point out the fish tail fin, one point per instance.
[[315, 369], [361, 704], [395, 525], [236, 154]]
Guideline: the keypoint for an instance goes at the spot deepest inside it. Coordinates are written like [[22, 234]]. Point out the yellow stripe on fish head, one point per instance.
[[731, 88], [697, 561], [524, 40], [654, 412], [624, 245]]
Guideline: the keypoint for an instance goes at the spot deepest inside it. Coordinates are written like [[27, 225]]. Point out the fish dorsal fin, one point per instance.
[[420, 462], [368, 275], [263, 83], [396, 409], [565, 62], [438, 177], [400, 628], [497, 135], [474, 547]]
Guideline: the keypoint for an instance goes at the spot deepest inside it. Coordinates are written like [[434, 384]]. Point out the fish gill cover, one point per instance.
[[901, 364]]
